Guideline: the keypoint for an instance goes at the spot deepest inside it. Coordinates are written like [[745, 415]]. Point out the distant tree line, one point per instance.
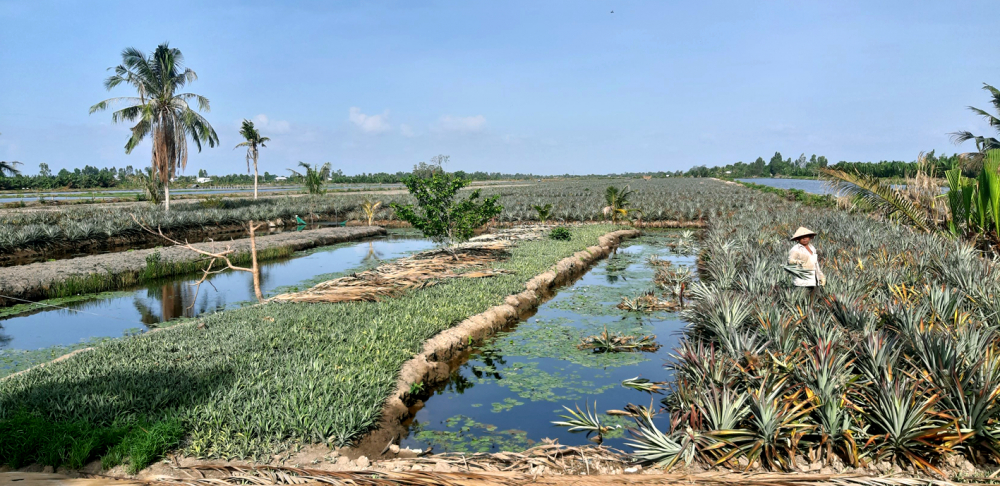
[[803, 166], [91, 177]]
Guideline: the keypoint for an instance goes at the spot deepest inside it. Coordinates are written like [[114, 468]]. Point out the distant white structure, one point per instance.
[[202, 180], [280, 178]]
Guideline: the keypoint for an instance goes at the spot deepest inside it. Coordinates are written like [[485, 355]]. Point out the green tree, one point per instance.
[[314, 177], [253, 141], [618, 203], [543, 212], [983, 143], [777, 164], [9, 168], [439, 215], [759, 167], [159, 110], [43, 170]]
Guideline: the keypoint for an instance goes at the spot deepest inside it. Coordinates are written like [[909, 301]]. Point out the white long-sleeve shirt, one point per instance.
[[806, 257]]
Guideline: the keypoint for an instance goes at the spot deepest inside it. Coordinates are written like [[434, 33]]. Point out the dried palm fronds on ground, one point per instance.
[[283, 476], [393, 278], [470, 260]]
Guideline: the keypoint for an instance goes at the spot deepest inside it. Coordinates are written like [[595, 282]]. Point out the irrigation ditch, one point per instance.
[[445, 352], [113, 271]]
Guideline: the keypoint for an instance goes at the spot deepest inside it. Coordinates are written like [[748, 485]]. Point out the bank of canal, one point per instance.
[[36, 333], [512, 388]]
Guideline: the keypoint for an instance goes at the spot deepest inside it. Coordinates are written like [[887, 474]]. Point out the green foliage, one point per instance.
[[160, 111], [253, 141], [898, 362], [438, 215], [618, 203], [961, 191], [809, 199], [543, 212], [988, 205], [983, 143], [314, 177], [328, 367], [560, 233], [880, 195], [26, 438], [213, 202]]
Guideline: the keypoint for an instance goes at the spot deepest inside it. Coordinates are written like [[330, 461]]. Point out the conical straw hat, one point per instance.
[[802, 231]]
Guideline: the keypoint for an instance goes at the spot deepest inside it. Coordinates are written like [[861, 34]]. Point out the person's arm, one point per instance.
[[795, 257]]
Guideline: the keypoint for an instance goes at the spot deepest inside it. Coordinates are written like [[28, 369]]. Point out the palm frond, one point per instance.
[[879, 194]]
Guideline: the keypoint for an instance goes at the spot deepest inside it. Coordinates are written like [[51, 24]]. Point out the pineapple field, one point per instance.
[[895, 363]]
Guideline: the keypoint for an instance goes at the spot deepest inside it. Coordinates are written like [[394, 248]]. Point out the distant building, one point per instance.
[[280, 178], [202, 180]]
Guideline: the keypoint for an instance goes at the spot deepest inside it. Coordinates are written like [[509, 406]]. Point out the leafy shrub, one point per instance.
[[213, 202], [561, 233]]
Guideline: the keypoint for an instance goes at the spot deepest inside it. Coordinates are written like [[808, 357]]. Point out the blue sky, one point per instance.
[[537, 86]]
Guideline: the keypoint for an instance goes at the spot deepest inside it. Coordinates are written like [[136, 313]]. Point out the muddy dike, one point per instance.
[[145, 240], [447, 350], [116, 271]]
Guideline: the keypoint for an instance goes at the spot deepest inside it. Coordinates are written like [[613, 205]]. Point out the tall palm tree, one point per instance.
[[9, 168], [983, 143], [159, 110], [253, 141]]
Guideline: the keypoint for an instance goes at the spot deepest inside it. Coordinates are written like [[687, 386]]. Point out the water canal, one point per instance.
[[512, 388], [38, 333]]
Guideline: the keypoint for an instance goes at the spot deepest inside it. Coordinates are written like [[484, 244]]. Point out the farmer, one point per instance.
[[804, 254]]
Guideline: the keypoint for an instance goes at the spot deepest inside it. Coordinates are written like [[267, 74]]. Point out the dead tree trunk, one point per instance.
[[218, 255]]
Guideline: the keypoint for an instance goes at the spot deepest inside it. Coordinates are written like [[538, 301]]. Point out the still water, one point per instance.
[[113, 314], [809, 185], [512, 388]]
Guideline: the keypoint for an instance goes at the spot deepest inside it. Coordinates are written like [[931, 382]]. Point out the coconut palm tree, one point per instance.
[[253, 141], [159, 110], [313, 177], [618, 203], [983, 143], [9, 168]]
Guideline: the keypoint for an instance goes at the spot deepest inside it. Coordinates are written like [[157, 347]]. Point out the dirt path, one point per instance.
[[33, 281]]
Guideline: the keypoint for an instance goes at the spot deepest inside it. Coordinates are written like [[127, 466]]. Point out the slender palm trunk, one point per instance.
[[166, 196], [255, 177]]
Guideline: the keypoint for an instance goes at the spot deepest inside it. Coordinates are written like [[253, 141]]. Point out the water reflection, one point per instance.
[[177, 298], [4, 338], [514, 385]]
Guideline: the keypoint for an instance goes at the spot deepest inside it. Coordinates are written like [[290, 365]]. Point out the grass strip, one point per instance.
[[254, 381], [807, 198]]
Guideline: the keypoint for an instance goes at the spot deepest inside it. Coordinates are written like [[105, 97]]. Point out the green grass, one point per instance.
[[807, 198], [258, 379], [29, 438]]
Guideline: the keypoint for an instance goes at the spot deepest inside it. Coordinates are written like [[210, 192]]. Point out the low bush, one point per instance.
[[560, 233]]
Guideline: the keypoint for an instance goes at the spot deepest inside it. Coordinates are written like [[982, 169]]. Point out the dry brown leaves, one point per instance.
[[418, 271]]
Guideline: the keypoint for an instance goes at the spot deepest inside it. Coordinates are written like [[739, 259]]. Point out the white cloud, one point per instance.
[[369, 123], [265, 124], [466, 124], [406, 130]]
